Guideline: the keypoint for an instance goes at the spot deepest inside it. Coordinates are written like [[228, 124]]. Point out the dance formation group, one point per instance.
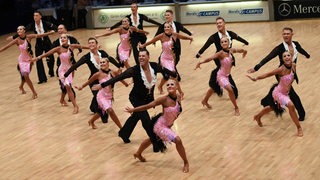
[[144, 74]]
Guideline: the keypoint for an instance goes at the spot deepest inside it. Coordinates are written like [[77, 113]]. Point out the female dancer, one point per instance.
[[105, 95], [124, 47], [280, 98], [167, 57], [24, 65], [162, 126], [64, 52], [226, 59]]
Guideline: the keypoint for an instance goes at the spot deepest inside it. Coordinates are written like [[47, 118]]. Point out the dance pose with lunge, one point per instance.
[[226, 60], [294, 48], [124, 47], [167, 57], [24, 64], [171, 105], [144, 79], [279, 97], [92, 60], [64, 52], [215, 39], [105, 95]]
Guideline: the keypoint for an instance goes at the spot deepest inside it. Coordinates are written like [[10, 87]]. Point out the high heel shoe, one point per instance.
[[75, 110], [22, 90], [34, 96], [142, 159], [300, 133], [258, 119]]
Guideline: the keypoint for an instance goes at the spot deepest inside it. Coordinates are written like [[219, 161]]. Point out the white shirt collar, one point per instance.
[[295, 52], [41, 30], [144, 78], [93, 60], [228, 36], [138, 20]]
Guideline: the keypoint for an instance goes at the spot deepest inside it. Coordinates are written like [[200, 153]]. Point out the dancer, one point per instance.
[[24, 65], [124, 47], [215, 38], [171, 105], [71, 40], [294, 48], [105, 95], [92, 59], [280, 99], [136, 19], [144, 79], [43, 44], [177, 27], [64, 52], [226, 60], [167, 57]]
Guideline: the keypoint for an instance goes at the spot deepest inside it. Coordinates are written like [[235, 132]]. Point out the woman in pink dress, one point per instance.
[[124, 47], [64, 52], [24, 64], [171, 105], [281, 99], [167, 57], [226, 60], [105, 95]]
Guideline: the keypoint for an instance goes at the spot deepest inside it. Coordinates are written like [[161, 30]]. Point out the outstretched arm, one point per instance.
[[30, 36], [8, 45], [214, 56], [270, 56], [152, 104], [89, 81], [243, 51], [206, 46], [238, 38], [155, 39], [116, 73], [301, 50], [46, 54], [274, 72], [108, 33], [181, 36], [145, 18]]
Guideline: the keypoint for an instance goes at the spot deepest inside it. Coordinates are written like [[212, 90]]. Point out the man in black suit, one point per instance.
[[177, 27], [42, 44], [142, 91]]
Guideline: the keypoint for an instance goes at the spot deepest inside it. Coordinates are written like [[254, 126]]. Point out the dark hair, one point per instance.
[[38, 12], [92, 38], [220, 18], [169, 11], [144, 49], [63, 26], [287, 28]]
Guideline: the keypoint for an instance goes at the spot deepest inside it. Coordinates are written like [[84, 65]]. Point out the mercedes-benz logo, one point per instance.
[[284, 9]]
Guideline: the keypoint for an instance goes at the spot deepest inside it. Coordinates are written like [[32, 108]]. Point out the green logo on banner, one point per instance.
[[162, 16], [103, 18]]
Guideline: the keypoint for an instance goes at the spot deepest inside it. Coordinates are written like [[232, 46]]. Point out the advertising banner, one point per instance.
[[296, 9], [231, 12], [106, 17]]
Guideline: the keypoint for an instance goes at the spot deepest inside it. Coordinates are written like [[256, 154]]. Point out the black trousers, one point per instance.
[[132, 121], [39, 49], [135, 40], [297, 103]]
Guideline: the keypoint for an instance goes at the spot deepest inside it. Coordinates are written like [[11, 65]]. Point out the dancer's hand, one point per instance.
[[252, 78], [79, 87], [197, 66], [251, 70], [128, 110]]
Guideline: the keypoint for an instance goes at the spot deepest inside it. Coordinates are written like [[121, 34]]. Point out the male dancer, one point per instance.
[[144, 79], [293, 47], [215, 38]]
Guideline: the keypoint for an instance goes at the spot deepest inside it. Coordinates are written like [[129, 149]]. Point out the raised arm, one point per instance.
[[243, 51], [126, 74], [206, 46], [270, 56], [40, 35], [56, 49], [181, 36]]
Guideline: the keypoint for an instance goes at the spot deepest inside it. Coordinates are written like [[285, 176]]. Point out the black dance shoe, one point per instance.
[[125, 140], [41, 82]]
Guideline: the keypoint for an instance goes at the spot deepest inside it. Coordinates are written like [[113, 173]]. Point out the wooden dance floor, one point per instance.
[[40, 139]]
